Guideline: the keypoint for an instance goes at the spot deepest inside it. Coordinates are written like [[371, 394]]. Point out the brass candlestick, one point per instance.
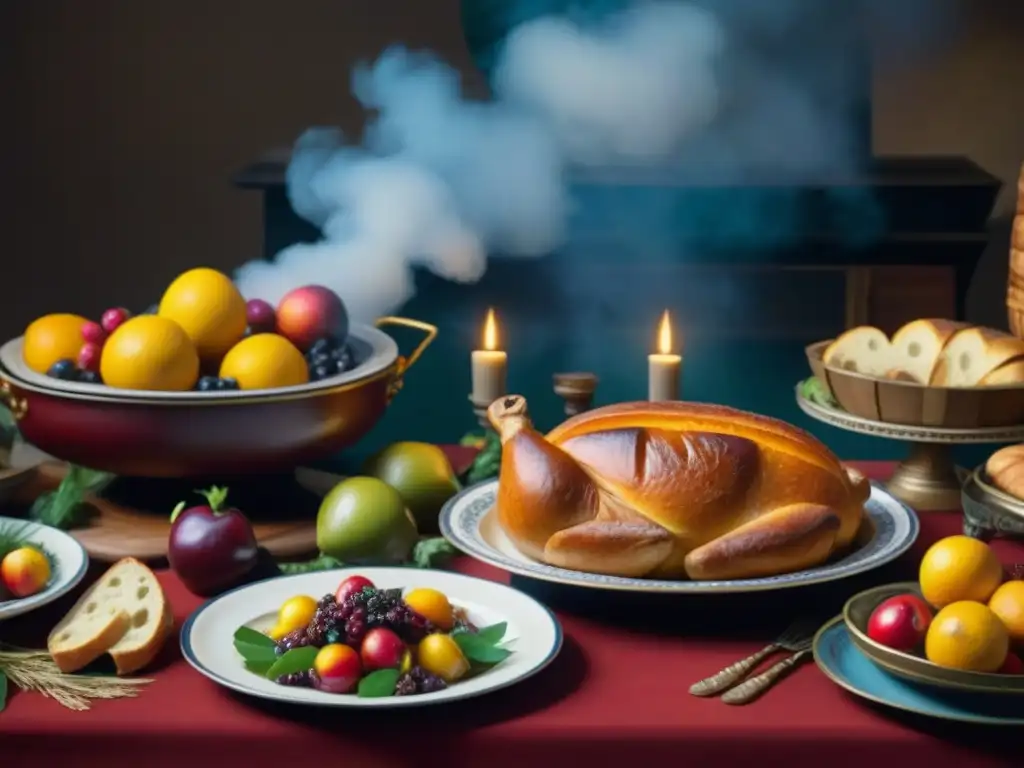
[[577, 390]]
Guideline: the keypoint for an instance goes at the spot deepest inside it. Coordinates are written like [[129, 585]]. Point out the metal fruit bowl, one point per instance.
[[909, 666], [195, 434]]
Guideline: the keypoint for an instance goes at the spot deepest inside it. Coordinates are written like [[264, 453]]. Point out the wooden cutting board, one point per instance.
[[118, 530]]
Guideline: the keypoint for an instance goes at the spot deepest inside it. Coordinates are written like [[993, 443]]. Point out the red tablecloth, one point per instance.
[[616, 695]]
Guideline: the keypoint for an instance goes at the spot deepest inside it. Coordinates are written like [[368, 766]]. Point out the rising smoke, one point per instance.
[[747, 89]]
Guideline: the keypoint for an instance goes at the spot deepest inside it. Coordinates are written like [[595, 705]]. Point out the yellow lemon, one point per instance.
[[1008, 604], [52, 338], [149, 352], [208, 306], [441, 656], [432, 606], [967, 635], [959, 568], [264, 361], [294, 613]]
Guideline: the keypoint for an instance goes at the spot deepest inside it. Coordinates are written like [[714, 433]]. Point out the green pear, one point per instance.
[[364, 520], [422, 475]]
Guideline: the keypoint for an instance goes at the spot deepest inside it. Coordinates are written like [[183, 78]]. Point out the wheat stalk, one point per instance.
[[36, 671]]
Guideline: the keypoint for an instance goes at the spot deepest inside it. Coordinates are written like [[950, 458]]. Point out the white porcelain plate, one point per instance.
[[468, 521], [68, 564], [533, 635]]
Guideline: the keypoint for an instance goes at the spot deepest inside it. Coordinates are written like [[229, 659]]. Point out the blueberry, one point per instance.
[[322, 372], [207, 384], [321, 347], [89, 377], [343, 354], [320, 359], [341, 365], [63, 369], [228, 383]]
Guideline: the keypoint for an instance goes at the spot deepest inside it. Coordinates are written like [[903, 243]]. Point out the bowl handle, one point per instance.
[[405, 363], [18, 406]]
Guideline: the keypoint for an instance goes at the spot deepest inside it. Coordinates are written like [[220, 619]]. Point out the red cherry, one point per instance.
[[93, 333], [901, 622], [89, 357], [382, 649], [350, 586], [112, 318], [260, 315]]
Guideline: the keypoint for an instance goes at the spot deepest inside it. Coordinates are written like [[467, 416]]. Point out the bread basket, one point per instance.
[[912, 404]]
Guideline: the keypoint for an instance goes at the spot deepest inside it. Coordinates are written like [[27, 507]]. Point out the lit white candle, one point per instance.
[[664, 366], [490, 366]]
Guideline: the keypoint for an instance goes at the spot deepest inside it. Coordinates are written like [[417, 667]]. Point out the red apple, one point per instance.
[[1012, 666], [211, 547], [382, 649], [338, 668], [350, 586], [901, 622], [310, 313]]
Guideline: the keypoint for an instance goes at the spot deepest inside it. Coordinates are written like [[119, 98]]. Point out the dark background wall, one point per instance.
[[122, 122]]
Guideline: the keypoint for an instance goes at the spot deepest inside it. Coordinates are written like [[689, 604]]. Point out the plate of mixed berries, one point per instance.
[[376, 637]]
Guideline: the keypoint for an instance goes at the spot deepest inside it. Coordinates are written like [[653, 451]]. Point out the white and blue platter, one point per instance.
[[470, 523], [68, 565]]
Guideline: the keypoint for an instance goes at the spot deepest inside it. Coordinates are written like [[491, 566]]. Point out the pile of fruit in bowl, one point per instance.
[[371, 642], [965, 615], [203, 335]]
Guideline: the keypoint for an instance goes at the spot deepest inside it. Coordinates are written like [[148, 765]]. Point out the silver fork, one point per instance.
[[795, 638], [754, 687]]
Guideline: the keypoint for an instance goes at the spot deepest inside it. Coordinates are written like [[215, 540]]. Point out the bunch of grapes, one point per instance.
[[418, 680]]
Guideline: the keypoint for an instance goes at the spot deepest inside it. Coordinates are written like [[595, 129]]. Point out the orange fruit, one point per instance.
[[1008, 604], [208, 306], [149, 352], [265, 361], [441, 656], [432, 606], [52, 338], [967, 635], [959, 568]]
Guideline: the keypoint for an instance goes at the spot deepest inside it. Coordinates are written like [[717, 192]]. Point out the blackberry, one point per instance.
[[321, 347], [302, 679], [320, 372], [342, 357], [425, 681], [356, 626], [319, 359], [297, 639], [406, 686]]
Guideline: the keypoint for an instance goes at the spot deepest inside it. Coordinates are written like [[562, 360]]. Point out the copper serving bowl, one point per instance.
[[913, 404], [194, 434]]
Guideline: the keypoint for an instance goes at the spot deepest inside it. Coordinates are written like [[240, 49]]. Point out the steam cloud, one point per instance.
[[439, 181]]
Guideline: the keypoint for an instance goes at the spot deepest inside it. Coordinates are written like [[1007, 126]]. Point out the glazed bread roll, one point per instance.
[[1005, 470], [673, 490]]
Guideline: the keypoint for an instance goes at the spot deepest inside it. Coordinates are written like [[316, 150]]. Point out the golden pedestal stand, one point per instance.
[[927, 479]]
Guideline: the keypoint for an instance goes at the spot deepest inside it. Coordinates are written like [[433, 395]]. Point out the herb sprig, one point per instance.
[[65, 508]]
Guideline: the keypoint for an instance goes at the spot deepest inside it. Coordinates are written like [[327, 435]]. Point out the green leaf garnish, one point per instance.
[[3, 690], [431, 553], [260, 667], [65, 508], [295, 660], [379, 684], [255, 647], [321, 563], [480, 651], [493, 633]]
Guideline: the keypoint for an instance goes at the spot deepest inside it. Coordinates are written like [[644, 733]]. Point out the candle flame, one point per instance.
[[490, 332], [665, 335]]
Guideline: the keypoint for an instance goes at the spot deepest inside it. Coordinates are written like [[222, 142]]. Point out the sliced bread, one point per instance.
[[125, 613], [1011, 374], [917, 345], [1017, 233], [865, 350], [973, 353]]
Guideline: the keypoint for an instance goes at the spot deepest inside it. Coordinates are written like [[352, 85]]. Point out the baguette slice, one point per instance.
[[1005, 375], [917, 345], [125, 614], [865, 349], [973, 353], [1017, 233]]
